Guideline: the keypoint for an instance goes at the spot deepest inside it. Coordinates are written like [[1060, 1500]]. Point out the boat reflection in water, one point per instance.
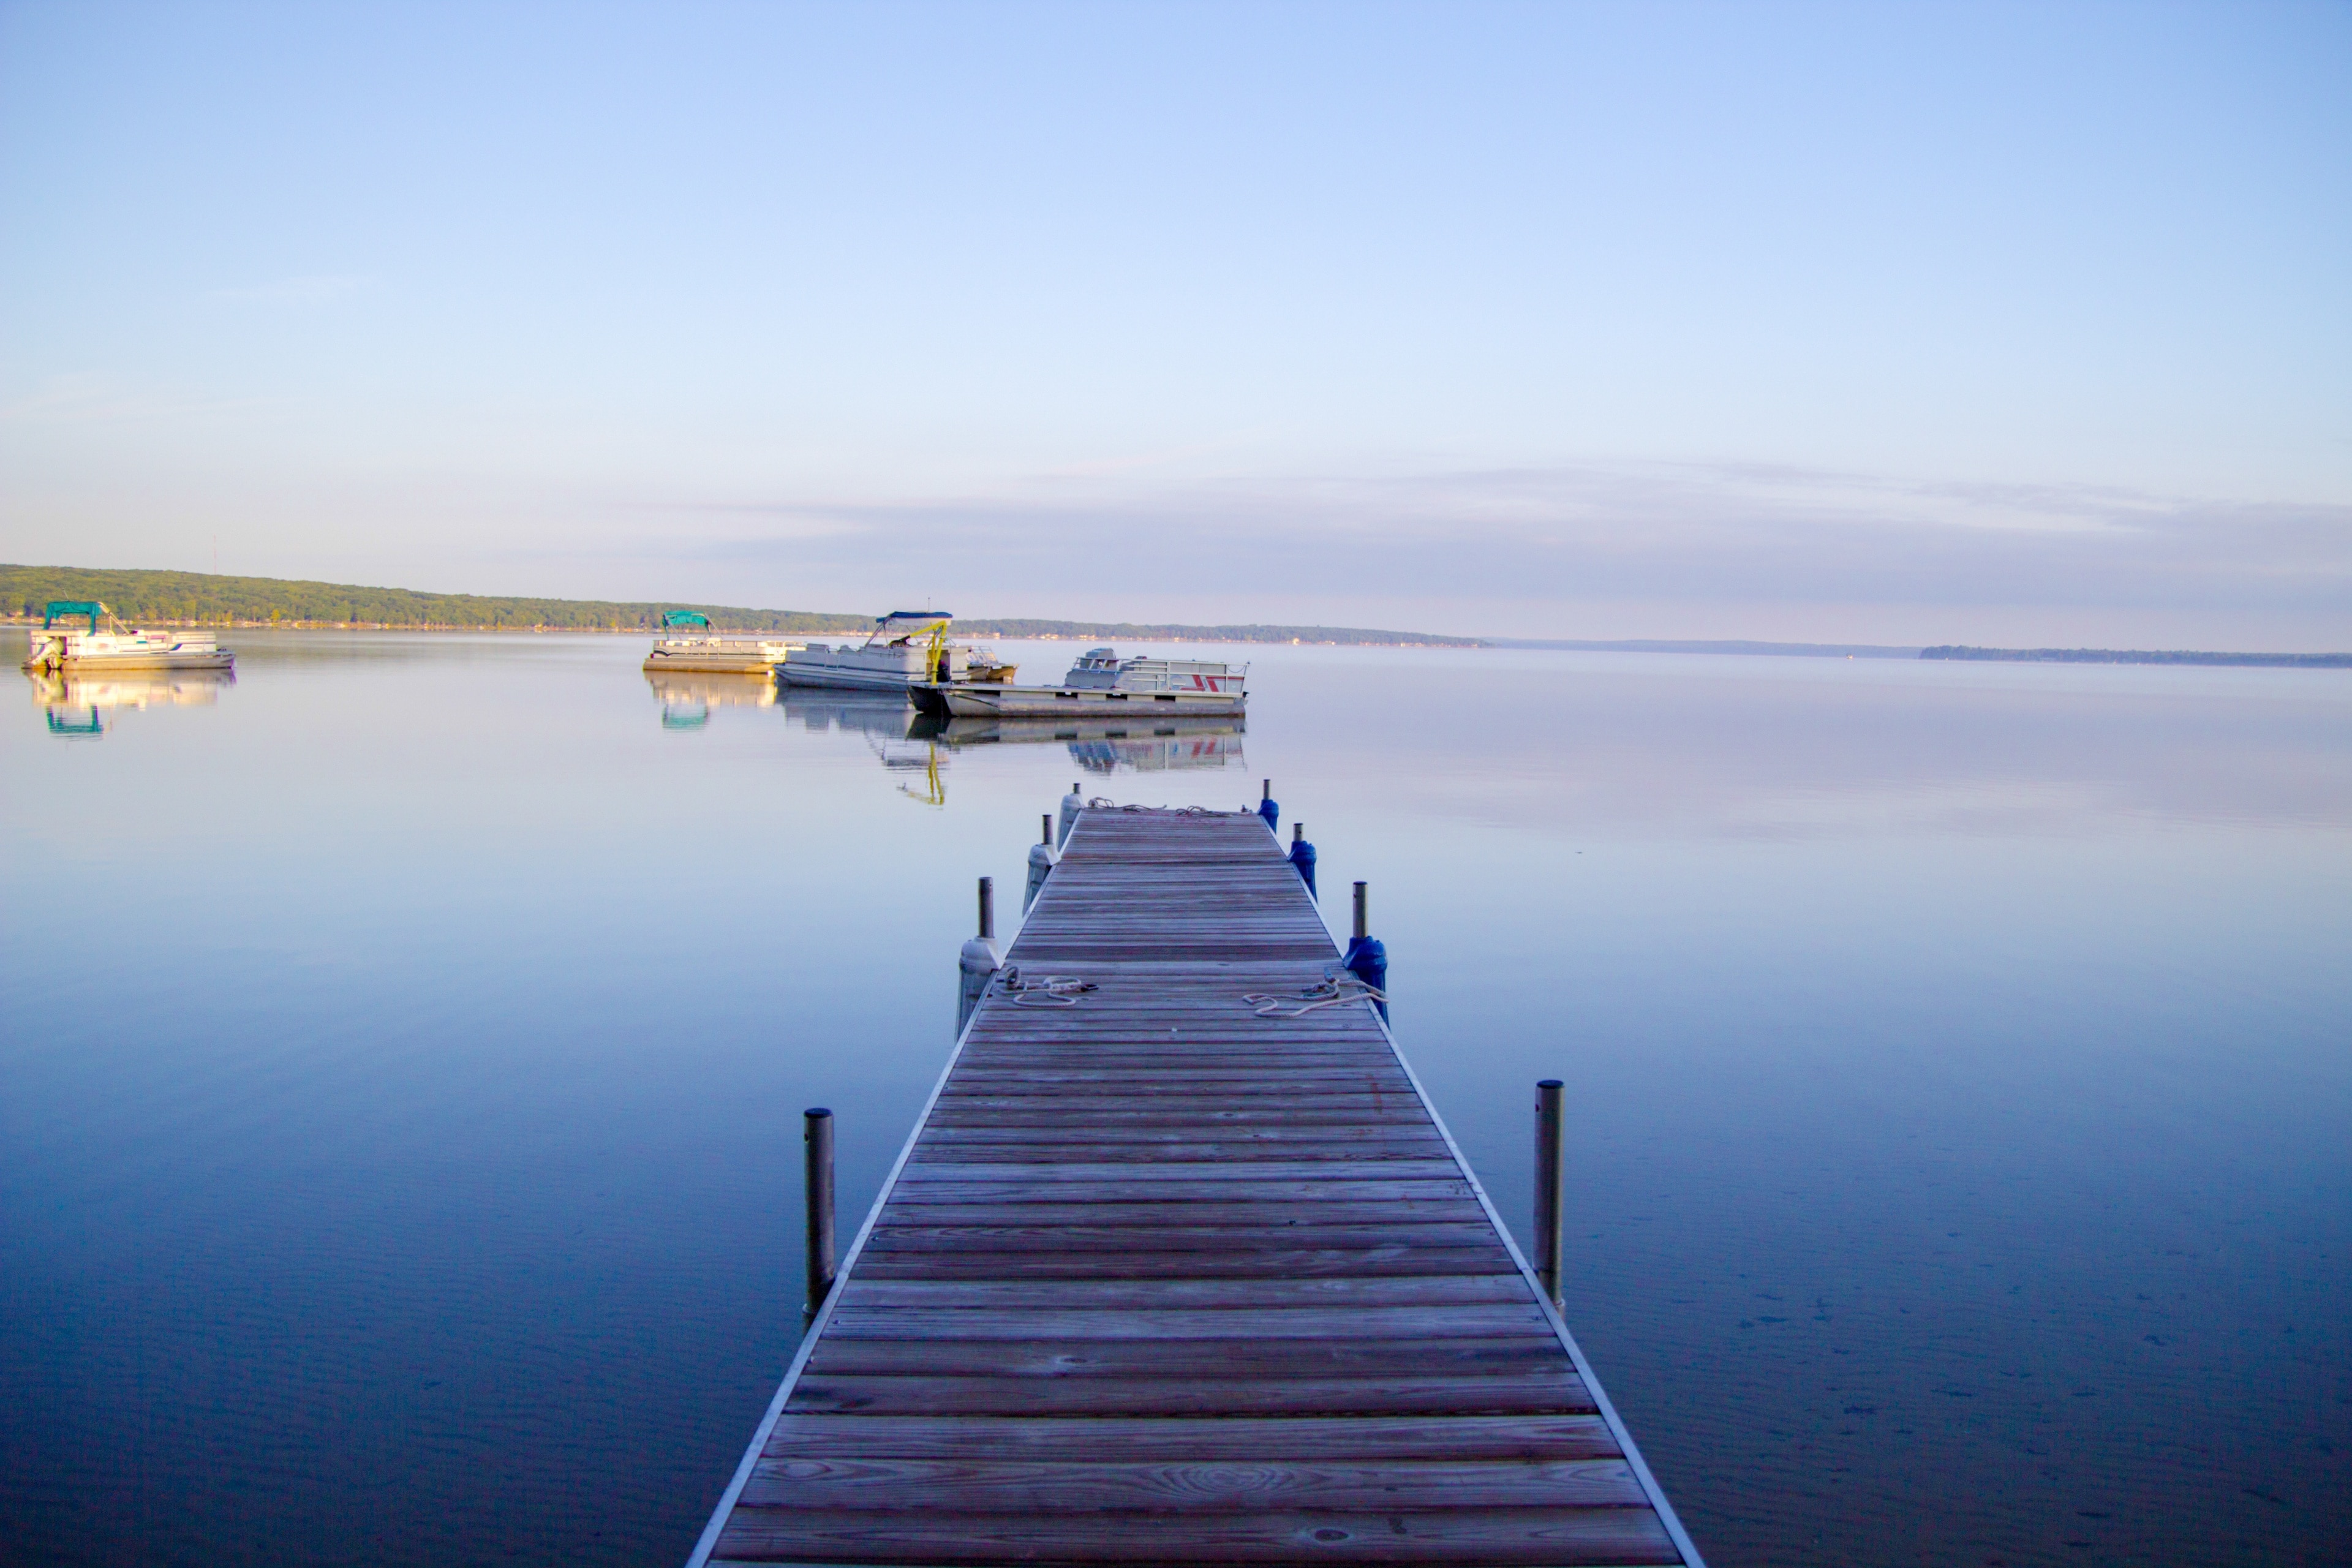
[[686, 700], [903, 740], [887, 717], [1106, 748], [918, 747], [79, 706]]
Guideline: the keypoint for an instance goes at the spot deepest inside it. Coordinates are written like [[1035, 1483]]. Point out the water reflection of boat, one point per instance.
[[911, 750], [903, 740], [918, 764], [688, 645], [59, 649], [686, 700], [888, 717], [76, 704], [1106, 746]]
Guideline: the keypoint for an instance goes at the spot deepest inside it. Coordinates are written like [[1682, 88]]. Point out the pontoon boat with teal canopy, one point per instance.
[[687, 643], [57, 648]]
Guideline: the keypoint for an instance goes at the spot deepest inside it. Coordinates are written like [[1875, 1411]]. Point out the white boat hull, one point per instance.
[[839, 678], [98, 664], [896, 668], [1093, 706], [716, 658]]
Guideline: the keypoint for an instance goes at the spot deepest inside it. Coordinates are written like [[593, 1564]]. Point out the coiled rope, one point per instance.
[[1104, 803], [1045, 991], [1337, 986]]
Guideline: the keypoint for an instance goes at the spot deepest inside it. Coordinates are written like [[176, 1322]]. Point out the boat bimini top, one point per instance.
[[685, 618], [905, 625], [58, 610]]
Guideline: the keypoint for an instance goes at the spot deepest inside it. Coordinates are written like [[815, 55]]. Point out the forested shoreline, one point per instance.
[[203, 598]]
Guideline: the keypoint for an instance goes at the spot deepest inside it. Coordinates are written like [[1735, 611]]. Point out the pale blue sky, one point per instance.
[[1901, 322]]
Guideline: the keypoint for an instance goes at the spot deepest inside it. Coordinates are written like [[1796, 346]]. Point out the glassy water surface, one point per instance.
[[405, 1044]]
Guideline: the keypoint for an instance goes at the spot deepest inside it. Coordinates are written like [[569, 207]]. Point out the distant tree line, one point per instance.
[[204, 598], [2114, 655]]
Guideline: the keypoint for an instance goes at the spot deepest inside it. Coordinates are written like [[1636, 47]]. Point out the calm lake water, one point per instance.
[[405, 1046]]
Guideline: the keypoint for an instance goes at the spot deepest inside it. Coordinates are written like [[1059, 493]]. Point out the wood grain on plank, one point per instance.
[[1239, 1438], [1220, 1358], [1503, 1538], [1267, 1394], [981, 1485], [946, 1240], [1187, 1162], [1455, 1211], [1017, 1184], [1507, 1289], [1387, 1258], [1456, 1320]]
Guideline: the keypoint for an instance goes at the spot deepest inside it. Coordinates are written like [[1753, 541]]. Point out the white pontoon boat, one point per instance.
[[61, 649], [688, 645], [906, 648], [1098, 684]]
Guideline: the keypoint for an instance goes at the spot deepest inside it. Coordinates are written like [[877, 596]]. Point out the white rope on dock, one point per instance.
[[1045, 991], [1335, 988], [1104, 803]]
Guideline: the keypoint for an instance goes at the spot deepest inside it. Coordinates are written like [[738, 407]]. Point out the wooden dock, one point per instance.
[[1158, 1280]]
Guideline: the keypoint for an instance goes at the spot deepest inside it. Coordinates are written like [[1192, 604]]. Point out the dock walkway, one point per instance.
[[1161, 1281]]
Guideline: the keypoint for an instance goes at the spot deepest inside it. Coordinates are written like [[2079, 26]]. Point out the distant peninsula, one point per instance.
[[1768, 649], [2119, 656], [1144, 631], [203, 598]]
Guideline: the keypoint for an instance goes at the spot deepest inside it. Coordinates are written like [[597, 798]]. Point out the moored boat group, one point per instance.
[[908, 654]]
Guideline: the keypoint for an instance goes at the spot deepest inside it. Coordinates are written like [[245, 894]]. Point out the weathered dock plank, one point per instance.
[[1162, 1281]]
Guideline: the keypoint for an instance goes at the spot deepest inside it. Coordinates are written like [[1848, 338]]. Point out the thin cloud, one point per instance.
[[1711, 534]]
